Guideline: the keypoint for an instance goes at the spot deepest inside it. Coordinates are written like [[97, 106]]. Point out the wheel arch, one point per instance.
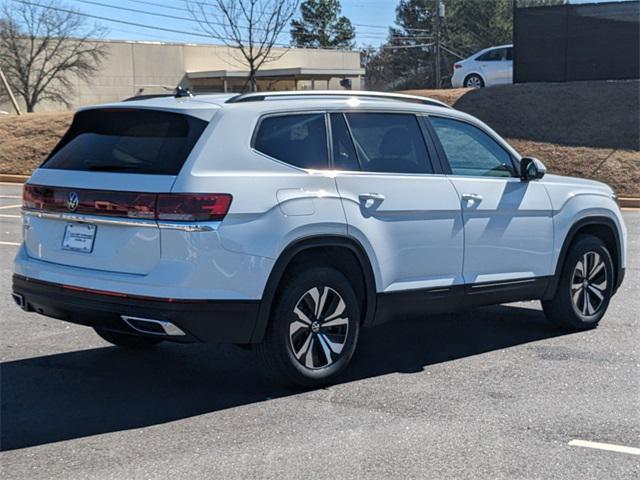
[[602, 227], [297, 250], [474, 72]]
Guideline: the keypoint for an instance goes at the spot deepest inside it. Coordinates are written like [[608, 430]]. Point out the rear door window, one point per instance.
[[299, 140], [128, 141], [389, 143]]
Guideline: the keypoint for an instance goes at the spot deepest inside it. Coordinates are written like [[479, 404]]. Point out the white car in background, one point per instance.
[[491, 66]]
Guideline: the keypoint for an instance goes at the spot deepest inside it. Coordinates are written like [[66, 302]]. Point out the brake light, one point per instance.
[[189, 207], [175, 207], [33, 197], [457, 65]]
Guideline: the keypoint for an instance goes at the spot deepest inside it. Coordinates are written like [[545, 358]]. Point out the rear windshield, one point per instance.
[[127, 140]]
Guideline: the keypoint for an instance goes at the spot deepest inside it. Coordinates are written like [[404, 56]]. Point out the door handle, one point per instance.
[[371, 196], [370, 199], [475, 197]]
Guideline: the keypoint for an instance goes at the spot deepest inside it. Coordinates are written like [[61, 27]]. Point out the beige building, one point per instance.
[[133, 68]]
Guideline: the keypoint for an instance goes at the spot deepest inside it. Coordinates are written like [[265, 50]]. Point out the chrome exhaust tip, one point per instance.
[[19, 300], [152, 327]]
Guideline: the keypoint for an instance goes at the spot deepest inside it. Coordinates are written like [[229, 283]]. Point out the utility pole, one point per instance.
[[8, 89], [437, 25]]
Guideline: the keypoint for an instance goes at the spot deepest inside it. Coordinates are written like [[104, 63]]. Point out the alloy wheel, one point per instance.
[[589, 284], [474, 82], [318, 333]]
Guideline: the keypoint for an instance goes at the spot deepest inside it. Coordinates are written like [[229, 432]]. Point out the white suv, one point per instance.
[[289, 221]]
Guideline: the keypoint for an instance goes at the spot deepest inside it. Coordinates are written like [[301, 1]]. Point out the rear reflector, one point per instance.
[[175, 207], [457, 65]]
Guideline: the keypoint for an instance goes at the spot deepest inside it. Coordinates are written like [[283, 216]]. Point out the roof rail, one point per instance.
[[261, 96], [178, 92], [147, 96]]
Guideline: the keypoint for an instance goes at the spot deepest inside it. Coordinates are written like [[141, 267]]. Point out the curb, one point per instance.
[[629, 202], [4, 177]]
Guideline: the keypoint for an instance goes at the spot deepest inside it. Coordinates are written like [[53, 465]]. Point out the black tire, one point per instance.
[[576, 307], [124, 340], [293, 351], [474, 81]]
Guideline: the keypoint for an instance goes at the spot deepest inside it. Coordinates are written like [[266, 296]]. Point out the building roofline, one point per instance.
[[296, 71]]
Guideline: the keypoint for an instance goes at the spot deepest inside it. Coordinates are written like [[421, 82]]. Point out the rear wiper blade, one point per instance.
[[112, 168]]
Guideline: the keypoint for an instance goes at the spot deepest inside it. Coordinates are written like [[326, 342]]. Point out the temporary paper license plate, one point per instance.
[[79, 237]]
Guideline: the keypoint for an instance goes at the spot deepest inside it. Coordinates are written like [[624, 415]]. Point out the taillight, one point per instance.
[[457, 65], [33, 197], [175, 207], [192, 207]]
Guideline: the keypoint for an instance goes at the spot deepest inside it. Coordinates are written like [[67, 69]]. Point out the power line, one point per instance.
[[193, 20], [390, 47], [211, 5], [184, 32], [107, 19], [142, 25]]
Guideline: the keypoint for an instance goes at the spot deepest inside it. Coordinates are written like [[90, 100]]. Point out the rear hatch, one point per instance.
[[94, 201]]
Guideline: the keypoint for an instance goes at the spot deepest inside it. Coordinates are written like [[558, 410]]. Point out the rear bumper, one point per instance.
[[218, 321], [457, 78]]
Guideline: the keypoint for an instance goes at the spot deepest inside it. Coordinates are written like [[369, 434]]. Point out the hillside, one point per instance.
[[587, 129], [27, 139], [601, 114]]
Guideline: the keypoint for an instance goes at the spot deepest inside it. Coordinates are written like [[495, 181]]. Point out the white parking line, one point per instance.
[[4, 207], [605, 446], [11, 244], [10, 196], [6, 215]]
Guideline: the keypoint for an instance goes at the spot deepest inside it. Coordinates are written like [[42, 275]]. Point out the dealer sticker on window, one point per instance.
[[79, 237]]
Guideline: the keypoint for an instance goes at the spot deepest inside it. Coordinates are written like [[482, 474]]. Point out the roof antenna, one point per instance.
[[182, 92]]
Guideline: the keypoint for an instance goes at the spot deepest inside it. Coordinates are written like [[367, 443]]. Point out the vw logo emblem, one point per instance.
[[72, 201]]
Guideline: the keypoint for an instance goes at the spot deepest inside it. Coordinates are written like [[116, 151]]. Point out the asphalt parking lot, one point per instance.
[[489, 393]]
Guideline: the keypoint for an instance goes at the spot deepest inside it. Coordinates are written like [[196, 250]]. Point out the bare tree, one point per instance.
[[41, 47], [250, 27]]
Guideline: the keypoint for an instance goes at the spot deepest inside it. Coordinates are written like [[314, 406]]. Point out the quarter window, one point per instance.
[[299, 140], [389, 142], [470, 151]]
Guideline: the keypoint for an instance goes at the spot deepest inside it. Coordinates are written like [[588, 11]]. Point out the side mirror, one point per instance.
[[531, 169]]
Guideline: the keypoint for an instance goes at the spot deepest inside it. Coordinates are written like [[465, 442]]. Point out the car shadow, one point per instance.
[[71, 395]]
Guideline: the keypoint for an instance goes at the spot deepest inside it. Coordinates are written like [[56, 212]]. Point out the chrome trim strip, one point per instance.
[[500, 284], [190, 227], [123, 222], [438, 290], [76, 217]]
